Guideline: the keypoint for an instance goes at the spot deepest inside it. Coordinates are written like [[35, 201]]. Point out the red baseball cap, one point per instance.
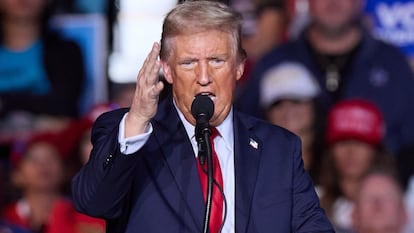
[[54, 139], [64, 141], [355, 119], [80, 126]]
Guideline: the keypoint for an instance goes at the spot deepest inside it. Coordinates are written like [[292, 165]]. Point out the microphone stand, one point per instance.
[[202, 110], [205, 152]]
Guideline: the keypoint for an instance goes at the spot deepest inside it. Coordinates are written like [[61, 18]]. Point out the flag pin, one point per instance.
[[253, 143]]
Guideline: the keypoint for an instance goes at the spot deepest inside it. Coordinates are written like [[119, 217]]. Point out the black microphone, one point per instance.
[[202, 110]]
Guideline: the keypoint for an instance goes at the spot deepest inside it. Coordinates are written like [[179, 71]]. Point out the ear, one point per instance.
[[167, 72], [240, 70]]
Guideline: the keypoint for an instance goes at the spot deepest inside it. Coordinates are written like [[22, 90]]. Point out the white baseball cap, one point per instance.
[[288, 80]]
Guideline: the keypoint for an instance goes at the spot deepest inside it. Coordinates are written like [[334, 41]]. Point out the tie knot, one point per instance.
[[214, 133]]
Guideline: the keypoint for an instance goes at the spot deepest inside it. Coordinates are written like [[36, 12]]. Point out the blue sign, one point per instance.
[[393, 21]]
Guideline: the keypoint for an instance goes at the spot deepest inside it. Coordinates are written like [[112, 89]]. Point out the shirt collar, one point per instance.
[[225, 129]]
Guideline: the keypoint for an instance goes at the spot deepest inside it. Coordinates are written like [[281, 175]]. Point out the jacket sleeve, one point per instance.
[[406, 75], [308, 216], [101, 187]]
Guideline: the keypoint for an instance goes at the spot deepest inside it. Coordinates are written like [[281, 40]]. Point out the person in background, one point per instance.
[[6, 227], [288, 96], [144, 174], [39, 173], [78, 134], [263, 27], [347, 63], [405, 170], [77, 140], [82, 128], [41, 74], [354, 136], [379, 204]]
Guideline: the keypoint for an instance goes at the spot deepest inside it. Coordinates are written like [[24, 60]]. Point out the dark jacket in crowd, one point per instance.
[[64, 67], [377, 71]]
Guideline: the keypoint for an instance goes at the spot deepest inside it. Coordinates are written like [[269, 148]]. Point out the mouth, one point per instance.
[[209, 94]]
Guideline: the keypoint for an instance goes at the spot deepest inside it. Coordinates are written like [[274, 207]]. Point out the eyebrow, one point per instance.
[[223, 55], [187, 59]]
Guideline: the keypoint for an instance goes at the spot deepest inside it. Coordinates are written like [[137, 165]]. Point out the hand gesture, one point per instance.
[[145, 102]]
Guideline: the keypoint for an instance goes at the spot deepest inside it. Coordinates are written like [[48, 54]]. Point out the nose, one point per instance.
[[203, 74]]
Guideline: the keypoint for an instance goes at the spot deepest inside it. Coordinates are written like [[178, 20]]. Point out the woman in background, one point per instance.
[[288, 94], [354, 136], [39, 174], [41, 74]]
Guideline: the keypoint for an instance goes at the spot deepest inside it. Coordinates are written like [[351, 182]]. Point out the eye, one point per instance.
[[217, 61], [188, 64]]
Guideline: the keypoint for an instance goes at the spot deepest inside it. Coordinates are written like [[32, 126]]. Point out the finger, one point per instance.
[[151, 79], [149, 62], [154, 66], [156, 89], [153, 74], [147, 90]]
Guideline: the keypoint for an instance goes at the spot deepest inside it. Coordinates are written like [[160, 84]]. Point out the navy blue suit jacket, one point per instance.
[[157, 189]]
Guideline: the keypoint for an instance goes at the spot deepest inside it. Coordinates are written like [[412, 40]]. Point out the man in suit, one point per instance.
[[143, 174]]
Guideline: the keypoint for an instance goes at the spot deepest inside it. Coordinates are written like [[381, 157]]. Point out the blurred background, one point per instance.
[[339, 74]]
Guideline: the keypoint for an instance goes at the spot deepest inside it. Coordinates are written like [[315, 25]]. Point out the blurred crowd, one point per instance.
[[313, 67]]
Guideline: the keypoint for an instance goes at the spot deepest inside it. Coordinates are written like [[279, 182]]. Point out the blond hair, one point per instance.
[[193, 17]]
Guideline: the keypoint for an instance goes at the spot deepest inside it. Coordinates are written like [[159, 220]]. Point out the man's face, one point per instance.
[[334, 15], [379, 206], [203, 63]]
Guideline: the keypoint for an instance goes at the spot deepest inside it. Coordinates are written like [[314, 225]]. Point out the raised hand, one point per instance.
[[145, 101]]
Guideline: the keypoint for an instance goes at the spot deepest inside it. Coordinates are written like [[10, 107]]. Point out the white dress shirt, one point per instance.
[[224, 146]]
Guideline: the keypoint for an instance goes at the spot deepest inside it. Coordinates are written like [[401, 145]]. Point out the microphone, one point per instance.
[[202, 110]]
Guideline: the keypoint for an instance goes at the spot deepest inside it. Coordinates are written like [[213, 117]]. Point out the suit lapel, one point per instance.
[[179, 156], [247, 158]]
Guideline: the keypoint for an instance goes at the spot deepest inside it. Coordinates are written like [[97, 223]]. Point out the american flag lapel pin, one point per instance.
[[253, 143]]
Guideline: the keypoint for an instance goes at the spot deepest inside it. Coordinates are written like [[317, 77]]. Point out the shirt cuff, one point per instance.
[[132, 144]]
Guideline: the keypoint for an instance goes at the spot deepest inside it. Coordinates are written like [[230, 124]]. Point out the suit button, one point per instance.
[[108, 161]]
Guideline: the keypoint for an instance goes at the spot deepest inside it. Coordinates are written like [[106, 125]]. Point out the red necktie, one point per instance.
[[217, 204]]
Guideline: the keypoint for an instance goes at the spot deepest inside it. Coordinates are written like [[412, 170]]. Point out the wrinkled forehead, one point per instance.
[[203, 40], [380, 187]]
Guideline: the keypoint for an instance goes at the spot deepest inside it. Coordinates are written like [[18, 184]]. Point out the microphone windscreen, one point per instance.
[[202, 105]]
